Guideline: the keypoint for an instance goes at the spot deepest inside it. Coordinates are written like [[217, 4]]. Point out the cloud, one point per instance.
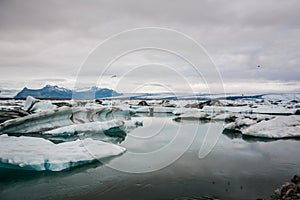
[[40, 41]]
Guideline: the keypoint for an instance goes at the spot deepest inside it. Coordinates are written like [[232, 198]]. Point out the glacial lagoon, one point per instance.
[[167, 159]]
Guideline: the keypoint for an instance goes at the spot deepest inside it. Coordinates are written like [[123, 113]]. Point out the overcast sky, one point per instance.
[[49, 42]]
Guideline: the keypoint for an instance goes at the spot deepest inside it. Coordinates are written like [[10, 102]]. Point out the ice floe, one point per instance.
[[282, 97], [152, 109], [39, 154], [64, 116], [90, 127], [33, 105], [278, 127], [197, 114], [266, 126]]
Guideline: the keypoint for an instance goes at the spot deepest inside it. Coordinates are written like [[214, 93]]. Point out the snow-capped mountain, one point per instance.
[[59, 93], [46, 92]]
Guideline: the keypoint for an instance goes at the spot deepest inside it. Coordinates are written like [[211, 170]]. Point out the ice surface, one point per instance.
[[198, 114], [154, 109], [282, 97], [33, 105], [257, 108], [91, 127], [42, 106], [64, 116], [29, 103], [278, 127], [274, 109], [179, 111], [221, 109], [194, 114], [266, 126], [40, 154], [245, 120]]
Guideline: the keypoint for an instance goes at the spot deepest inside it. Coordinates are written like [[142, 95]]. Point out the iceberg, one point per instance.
[[91, 127], [152, 109], [282, 97], [198, 114], [257, 109], [222, 109], [193, 115], [266, 126], [245, 120], [33, 105], [278, 127], [29, 102], [274, 110], [42, 106], [180, 111], [32, 153], [64, 116]]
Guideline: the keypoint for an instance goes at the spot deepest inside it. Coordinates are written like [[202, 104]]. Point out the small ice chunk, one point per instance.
[[33, 105], [29, 103], [42, 106]]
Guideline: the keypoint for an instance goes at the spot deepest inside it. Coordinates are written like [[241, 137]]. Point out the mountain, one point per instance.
[[56, 92], [46, 92], [95, 92]]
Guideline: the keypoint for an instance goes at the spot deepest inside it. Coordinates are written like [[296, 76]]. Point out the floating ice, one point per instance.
[[64, 116], [278, 127], [91, 127], [39, 154], [179, 111], [193, 115], [245, 120], [33, 105], [282, 97], [273, 109], [254, 109], [152, 109], [29, 103], [266, 126]]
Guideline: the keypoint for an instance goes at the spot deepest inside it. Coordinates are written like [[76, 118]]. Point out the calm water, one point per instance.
[[175, 160]]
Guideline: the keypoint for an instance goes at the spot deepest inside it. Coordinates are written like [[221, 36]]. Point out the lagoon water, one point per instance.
[[166, 159]]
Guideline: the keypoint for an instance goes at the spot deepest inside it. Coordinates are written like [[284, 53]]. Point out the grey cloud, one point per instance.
[[52, 38], [50, 80]]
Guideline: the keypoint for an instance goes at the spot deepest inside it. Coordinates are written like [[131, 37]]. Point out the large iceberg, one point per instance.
[[97, 126], [278, 127], [39, 154], [64, 116], [266, 126]]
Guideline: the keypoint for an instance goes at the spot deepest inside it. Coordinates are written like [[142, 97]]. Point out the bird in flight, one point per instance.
[[113, 76], [258, 66]]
